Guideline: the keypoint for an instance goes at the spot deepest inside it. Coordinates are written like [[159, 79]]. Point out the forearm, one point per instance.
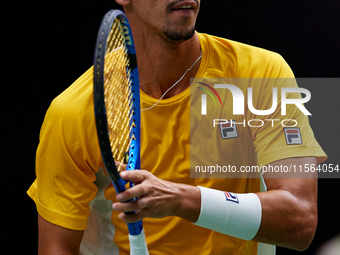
[[274, 217], [289, 208], [285, 215], [286, 220], [190, 202], [288, 211]]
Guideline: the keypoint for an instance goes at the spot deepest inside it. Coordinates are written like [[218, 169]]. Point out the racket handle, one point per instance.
[[138, 244]]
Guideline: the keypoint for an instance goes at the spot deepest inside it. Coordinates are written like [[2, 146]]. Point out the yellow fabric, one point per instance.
[[66, 160], [68, 155]]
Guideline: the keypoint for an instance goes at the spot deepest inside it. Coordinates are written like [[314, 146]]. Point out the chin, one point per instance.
[[178, 36]]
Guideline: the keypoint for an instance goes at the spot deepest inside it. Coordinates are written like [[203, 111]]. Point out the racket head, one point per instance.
[[116, 95], [117, 106]]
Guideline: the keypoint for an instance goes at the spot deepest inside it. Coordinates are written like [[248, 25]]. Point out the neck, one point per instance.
[[162, 63]]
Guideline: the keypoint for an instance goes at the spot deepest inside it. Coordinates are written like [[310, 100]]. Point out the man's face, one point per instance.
[[174, 20]]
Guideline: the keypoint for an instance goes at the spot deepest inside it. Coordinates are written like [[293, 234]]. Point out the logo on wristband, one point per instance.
[[230, 196]]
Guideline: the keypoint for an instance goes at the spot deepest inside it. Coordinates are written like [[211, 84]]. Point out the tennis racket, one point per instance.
[[117, 107]]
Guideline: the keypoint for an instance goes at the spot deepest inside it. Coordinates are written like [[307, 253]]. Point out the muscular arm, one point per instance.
[[289, 207], [57, 240]]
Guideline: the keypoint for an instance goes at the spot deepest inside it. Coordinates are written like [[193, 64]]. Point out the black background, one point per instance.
[[47, 45]]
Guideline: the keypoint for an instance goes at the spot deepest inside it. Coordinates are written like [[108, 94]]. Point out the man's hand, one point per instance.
[[157, 198]]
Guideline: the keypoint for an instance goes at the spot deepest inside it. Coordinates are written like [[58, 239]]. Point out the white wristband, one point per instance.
[[237, 215]]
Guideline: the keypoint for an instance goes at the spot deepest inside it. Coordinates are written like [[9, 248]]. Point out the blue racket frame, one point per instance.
[[99, 104]]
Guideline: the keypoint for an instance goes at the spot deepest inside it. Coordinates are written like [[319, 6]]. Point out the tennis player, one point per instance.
[[79, 211]]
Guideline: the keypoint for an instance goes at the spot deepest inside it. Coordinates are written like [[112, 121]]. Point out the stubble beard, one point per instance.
[[178, 36]]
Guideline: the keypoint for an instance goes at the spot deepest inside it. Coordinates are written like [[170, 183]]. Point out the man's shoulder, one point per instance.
[[234, 47], [243, 60], [77, 100]]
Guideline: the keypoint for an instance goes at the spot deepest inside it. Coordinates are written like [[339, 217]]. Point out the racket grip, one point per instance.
[[138, 244]]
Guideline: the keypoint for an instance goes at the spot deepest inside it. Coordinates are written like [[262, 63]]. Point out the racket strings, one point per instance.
[[118, 95]]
